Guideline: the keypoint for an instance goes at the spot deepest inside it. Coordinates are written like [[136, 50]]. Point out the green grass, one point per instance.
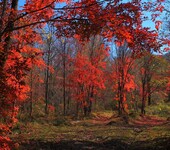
[[161, 109], [65, 129], [49, 132]]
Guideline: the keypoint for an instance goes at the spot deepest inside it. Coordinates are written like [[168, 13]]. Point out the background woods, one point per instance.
[[61, 58]]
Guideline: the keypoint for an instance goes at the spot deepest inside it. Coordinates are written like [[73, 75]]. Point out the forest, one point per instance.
[[84, 74]]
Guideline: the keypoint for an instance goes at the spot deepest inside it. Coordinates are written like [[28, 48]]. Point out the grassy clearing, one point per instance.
[[86, 131], [94, 132], [160, 109]]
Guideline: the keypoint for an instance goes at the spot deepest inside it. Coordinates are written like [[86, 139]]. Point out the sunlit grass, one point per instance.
[[161, 109], [95, 133]]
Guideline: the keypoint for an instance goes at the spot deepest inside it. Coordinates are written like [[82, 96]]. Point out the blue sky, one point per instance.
[[21, 3], [147, 23]]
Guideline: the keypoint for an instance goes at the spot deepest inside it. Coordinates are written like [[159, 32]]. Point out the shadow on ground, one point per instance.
[[156, 144]]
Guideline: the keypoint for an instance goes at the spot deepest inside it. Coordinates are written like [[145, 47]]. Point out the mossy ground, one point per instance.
[[93, 133]]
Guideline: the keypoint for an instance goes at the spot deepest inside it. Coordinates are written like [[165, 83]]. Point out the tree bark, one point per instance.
[[64, 79], [149, 91], [5, 51], [47, 82], [31, 95], [143, 98]]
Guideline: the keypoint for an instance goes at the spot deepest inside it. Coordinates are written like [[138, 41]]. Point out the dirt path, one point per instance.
[[117, 144], [100, 119], [102, 132], [149, 121]]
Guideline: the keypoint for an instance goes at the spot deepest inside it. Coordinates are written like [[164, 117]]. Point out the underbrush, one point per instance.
[[161, 109], [34, 131]]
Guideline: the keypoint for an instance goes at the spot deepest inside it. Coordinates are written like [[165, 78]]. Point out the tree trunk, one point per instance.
[[4, 7], [68, 103], [143, 106], [64, 86], [5, 51], [47, 84], [10, 26], [143, 98], [85, 110], [149, 99], [90, 101], [77, 109], [64, 78], [31, 95], [119, 101], [149, 93]]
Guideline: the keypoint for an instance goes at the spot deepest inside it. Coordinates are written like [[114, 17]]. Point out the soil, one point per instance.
[[156, 144], [138, 125]]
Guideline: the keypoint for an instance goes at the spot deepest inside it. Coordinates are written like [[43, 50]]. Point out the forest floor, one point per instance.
[[104, 131]]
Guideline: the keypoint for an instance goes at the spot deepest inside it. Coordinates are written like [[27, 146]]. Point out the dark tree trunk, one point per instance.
[[149, 99], [31, 95], [4, 7], [68, 103], [64, 82], [77, 109], [90, 108], [119, 101], [4, 53], [9, 28], [143, 106], [90, 100], [143, 97], [47, 83], [85, 110], [148, 85]]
